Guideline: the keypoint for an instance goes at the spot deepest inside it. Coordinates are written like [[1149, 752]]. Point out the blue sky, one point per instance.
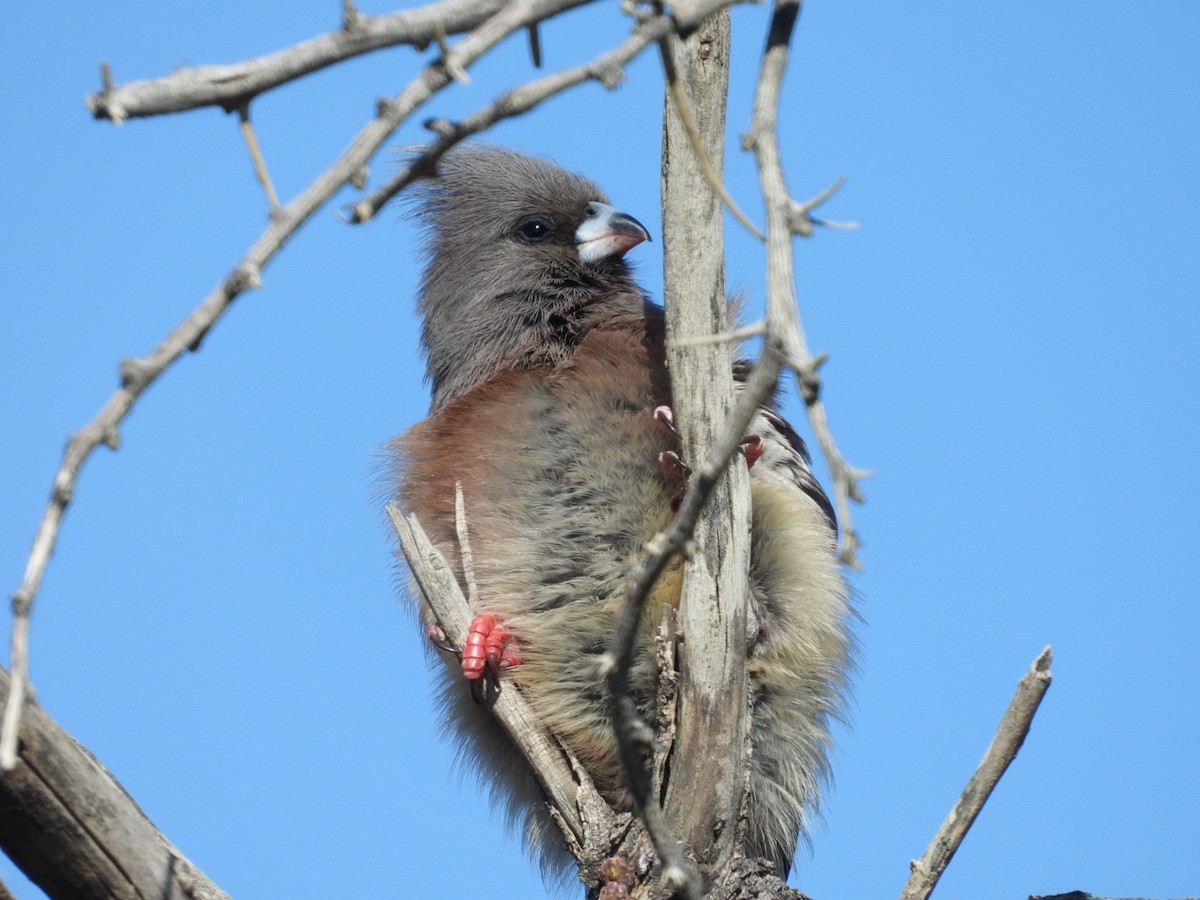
[[1012, 333]]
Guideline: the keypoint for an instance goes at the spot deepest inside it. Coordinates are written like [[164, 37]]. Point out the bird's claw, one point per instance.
[[437, 637], [752, 447], [664, 418], [671, 463], [489, 650]]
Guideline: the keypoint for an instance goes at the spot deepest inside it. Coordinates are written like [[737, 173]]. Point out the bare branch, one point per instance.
[[783, 318], [74, 830], [1000, 753], [229, 86]]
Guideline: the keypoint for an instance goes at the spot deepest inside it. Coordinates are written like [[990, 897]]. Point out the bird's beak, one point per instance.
[[607, 232]]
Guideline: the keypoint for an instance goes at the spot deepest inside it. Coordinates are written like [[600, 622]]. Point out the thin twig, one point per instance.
[[260, 164], [733, 336], [1000, 753], [800, 214], [783, 318], [227, 86]]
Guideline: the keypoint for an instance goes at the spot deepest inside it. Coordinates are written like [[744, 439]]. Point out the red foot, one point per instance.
[[488, 649]]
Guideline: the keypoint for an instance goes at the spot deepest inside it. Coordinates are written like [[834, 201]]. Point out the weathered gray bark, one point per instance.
[[74, 830], [706, 787]]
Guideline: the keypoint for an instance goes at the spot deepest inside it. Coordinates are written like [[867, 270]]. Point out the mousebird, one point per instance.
[[551, 407]]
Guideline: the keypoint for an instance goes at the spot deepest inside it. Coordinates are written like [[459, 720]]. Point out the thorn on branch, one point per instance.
[[351, 17], [848, 551], [244, 278], [452, 66], [62, 494], [610, 76], [809, 380], [102, 104], [535, 44], [135, 374]]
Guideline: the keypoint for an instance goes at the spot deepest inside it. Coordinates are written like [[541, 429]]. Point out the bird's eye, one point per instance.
[[535, 229]]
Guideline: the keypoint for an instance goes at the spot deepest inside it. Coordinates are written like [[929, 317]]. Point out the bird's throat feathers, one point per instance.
[[524, 330]]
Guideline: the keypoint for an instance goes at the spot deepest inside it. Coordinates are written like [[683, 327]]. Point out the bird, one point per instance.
[[551, 408]]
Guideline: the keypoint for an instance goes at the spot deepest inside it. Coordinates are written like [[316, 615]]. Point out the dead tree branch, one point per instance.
[[634, 737], [230, 86], [74, 830], [1000, 753], [704, 793]]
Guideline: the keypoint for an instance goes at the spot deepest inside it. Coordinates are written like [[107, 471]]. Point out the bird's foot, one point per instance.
[[753, 447], [488, 652], [489, 648]]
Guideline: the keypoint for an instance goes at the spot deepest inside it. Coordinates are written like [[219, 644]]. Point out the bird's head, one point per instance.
[[523, 256]]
